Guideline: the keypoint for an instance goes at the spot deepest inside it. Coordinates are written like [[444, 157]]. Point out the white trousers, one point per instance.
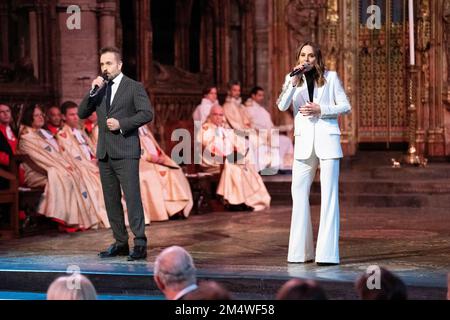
[[301, 246]]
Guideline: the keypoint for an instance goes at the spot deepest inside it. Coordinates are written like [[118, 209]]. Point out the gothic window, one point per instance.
[[18, 45], [163, 26], [177, 33], [129, 50], [194, 36]]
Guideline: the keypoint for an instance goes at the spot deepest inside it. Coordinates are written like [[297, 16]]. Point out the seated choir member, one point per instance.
[[79, 147], [65, 198], [239, 182]]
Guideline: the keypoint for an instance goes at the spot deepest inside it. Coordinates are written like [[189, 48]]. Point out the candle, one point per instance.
[[411, 32]]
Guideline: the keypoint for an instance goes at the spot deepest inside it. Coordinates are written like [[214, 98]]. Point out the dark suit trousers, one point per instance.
[[114, 174]]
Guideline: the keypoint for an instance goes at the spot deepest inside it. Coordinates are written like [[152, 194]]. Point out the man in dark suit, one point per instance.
[[122, 106]]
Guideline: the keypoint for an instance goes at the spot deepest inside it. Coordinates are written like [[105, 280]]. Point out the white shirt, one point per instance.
[[50, 138], [115, 86], [186, 290], [84, 146], [10, 134]]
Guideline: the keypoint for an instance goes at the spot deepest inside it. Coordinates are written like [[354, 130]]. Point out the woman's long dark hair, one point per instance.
[[27, 116], [319, 64]]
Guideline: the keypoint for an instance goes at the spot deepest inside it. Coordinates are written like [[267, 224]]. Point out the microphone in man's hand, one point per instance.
[[304, 68], [96, 87]]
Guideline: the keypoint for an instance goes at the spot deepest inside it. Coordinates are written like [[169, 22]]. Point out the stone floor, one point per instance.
[[246, 251]]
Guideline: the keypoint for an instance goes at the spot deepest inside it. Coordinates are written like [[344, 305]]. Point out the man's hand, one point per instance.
[[310, 109], [99, 81], [155, 158], [113, 124]]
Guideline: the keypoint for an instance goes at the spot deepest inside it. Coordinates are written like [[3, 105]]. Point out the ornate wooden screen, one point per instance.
[[382, 73]]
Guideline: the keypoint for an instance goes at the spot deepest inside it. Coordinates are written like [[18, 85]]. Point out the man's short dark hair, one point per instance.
[[206, 90], [27, 116], [114, 50], [67, 105], [233, 83], [255, 90]]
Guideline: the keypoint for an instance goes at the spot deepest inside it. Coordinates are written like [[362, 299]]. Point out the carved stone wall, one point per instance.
[[27, 67], [446, 69], [252, 40]]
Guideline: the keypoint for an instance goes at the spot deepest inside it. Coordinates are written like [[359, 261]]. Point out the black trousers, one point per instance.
[[114, 174]]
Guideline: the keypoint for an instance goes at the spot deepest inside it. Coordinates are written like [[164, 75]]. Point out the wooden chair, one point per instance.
[[26, 199], [203, 185], [10, 198], [29, 198]]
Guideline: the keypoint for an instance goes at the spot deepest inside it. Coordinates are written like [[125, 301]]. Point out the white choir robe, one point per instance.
[[201, 112], [239, 181], [261, 120]]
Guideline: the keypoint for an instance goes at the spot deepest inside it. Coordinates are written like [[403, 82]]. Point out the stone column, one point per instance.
[[263, 67], [78, 51], [107, 23]]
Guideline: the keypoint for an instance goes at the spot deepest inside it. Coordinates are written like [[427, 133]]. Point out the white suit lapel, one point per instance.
[[318, 92], [304, 89]]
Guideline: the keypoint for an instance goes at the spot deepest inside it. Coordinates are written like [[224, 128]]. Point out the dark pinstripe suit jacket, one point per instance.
[[132, 107]]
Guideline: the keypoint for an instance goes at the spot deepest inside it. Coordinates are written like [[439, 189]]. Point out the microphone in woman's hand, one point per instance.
[[304, 68]]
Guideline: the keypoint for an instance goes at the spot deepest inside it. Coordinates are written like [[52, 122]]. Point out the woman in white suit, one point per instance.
[[318, 98]]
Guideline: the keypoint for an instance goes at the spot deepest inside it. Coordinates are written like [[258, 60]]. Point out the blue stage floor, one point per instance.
[[244, 251]]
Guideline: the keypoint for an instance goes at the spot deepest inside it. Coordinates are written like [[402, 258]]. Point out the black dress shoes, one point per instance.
[[115, 250], [323, 264], [138, 253]]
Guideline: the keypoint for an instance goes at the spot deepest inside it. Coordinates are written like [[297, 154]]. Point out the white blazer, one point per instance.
[[322, 132]]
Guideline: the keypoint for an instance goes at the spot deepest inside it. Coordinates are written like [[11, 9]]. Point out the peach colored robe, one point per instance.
[[236, 114], [238, 118], [262, 120], [90, 172], [165, 190], [66, 196], [239, 182]]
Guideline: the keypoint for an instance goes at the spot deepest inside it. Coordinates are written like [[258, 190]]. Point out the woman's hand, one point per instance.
[[310, 109]]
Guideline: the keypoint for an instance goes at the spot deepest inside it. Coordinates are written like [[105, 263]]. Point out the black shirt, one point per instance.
[[310, 83]]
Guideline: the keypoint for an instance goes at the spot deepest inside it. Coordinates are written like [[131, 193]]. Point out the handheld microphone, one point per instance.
[[304, 68], [96, 87]]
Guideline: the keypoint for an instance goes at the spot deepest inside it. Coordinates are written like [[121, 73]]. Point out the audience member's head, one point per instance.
[[69, 110], [5, 114], [234, 89], [74, 287], [216, 115], [54, 116], [174, 271], [33, 116], [209, 290], [380, 284], [257, 94], [448, 286], [298, 289], [210, 93]]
